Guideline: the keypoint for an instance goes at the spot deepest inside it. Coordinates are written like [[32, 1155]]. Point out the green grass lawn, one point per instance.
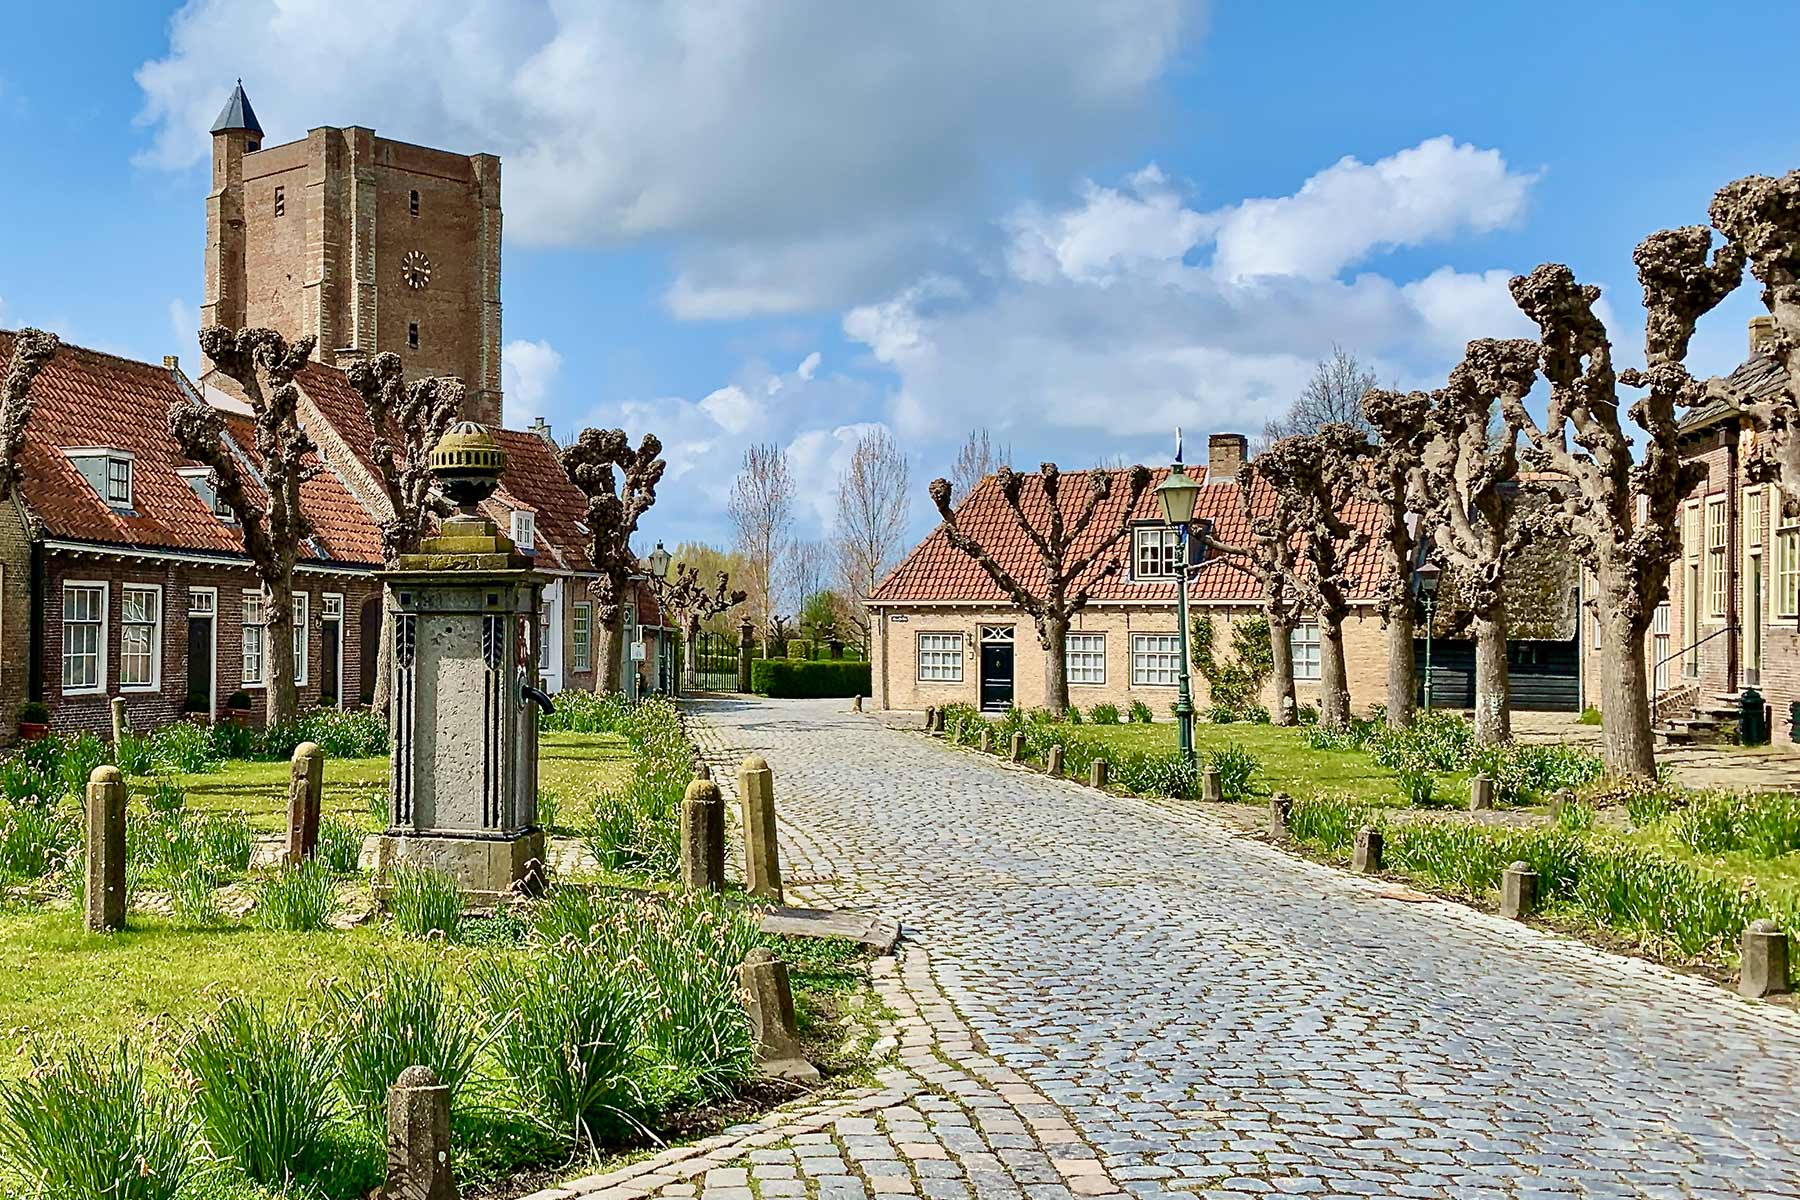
[[572, 765]]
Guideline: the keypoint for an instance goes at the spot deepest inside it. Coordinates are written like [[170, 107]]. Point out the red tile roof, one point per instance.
[[84, 398], [937, 571]]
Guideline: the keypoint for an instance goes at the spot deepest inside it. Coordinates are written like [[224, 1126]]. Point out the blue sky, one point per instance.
[[1074, 224]]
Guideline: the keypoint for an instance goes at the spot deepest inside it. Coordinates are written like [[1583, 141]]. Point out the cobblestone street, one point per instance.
[[1098, 996]]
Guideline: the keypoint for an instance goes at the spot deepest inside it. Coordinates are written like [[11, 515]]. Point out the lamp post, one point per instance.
[[1176, 495], [658, 563], [1425, 583]]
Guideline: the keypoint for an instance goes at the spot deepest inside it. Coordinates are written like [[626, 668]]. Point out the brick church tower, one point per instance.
[[366, 243]]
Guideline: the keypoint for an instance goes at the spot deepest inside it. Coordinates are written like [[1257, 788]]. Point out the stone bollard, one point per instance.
[[1481, 794], [1518, 891], [938, 722], [1097, 771], [769, 1000], [746, 632], [1212, 785], [762, 850], [1765, 965], [105, 850], [1366, 858], [418, 1138], [1018, 747], [930, 720], [987, 741], [1280, 805], [856, 704], [118, 719], [703, 837], [306, 789], [1053, 764], [1559, 801]]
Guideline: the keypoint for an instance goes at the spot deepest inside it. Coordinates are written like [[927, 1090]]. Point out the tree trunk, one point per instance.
[[1493, 691], [382, 695], [610, 653], [1334, 683], [1056, 664], [1282, 708], [1625, 697], [1402, 668], [284, 697], [690, 657]]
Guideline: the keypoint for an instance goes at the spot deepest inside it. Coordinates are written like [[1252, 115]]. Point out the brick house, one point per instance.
[[944, 633], [120, 577]]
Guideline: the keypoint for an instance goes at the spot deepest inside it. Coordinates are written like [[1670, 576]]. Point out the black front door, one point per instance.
[[996, 675], [200, 665], [371, 649], [329, 636]]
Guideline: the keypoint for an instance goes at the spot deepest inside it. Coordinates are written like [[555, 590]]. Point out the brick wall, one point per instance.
[[15, 617], [894, 654], [178, 581]]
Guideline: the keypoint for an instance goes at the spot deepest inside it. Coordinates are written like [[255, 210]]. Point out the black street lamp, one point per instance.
[[1425, 584], [1176, 495]]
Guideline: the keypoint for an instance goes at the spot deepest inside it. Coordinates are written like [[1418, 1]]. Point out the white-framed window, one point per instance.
[[256, 638], [140, 636], [108, 471], [1155, 659], [1304, 639], [524, 530], [118, 482], [302, 637], [940, 657], [1756, 515], [1155, 552], [581, 630], [84, 637], [1715, 557], [202, 602], [1086, 657], [331, 607], [1787, 572]]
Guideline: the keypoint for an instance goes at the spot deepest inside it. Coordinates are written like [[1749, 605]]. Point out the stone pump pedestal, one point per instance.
[[462, 790]]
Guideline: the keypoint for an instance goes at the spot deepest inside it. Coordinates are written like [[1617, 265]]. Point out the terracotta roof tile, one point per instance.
[[84, 398], [937, 571]]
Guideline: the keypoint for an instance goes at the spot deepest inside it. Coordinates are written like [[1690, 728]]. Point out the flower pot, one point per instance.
[[33, 731]]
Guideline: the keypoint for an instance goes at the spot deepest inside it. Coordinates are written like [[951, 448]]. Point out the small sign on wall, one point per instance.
[[637, 652], [897, 618]]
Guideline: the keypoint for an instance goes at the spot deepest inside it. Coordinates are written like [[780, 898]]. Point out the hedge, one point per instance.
[[782, 677]]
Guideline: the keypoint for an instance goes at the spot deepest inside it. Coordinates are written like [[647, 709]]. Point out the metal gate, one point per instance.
[[716, 662]]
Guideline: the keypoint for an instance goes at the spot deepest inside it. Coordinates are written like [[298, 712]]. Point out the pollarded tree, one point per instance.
[[595, 461], [1395, 481], [408, 420], [1321, 474], [271, 519], [1473, 494], [31, 350], [1075, 554], [1267, 556], [695, 602], [1621, 509], [1760, 218]]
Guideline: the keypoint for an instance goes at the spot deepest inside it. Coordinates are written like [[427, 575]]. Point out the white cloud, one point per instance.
[[816, 457], [839, 138], [1107, 323], [1435, 190], [733, 409], [184, 327], [809, 366], [528, 371]]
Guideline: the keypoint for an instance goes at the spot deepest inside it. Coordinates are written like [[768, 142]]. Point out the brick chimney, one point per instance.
[[1761, 330], [541, 427], [171, 362], [1225, 453]]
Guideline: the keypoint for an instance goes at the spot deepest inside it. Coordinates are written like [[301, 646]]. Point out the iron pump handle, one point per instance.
[[536, 696]]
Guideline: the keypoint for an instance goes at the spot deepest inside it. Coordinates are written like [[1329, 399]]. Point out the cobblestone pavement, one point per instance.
[[1102, 997]]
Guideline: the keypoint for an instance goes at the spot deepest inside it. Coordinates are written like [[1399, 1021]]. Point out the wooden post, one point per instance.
[[105, 850], [306, 789]]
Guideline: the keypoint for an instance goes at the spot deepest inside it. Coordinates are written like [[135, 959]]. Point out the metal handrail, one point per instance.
[[1656, 691]]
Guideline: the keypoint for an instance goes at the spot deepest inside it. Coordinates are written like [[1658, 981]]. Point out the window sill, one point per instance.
[[251, 687], [93, 691], [138, 688]]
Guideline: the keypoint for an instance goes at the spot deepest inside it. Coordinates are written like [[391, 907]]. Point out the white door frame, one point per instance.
[[212, 686]]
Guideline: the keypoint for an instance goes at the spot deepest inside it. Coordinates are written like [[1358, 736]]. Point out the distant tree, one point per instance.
[[620, 485], [1395, 482], [1760, 218], [273, 524], [1472, 493], [1320, 474], [874, 499], [1272, 524], [762, 516], [822, 616], [31, 350], [693, 601], [976, 460], [1053, 597], [707, 563], [1333, 396], [806, 570], [1625, 492], [408, 421]]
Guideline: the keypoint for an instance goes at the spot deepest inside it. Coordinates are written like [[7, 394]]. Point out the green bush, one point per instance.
[[300, 899], [1140, 713], [637, 824], [586, 712], [80, 755], [36, 840], [263, 1090], [135, 755], [787, 678], [1330, 824], [184, 746], [1237, 769], [1104, 714], [388, 1018], [1589, 716], [1719, 823], [340, 845], [84, 1127], [423, 900]]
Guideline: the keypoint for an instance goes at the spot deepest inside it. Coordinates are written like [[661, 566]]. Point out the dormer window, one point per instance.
[[1156, 552], [201, 480], [108, 470], [524, 530]]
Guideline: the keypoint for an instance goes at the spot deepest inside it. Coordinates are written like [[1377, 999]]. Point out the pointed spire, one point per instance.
[[237, 114]]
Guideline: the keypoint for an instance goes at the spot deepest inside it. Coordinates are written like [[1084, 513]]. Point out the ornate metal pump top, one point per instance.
[[467, 463]]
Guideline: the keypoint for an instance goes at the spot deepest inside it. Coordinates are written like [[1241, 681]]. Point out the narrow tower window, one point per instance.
[[414, 202], [280, 202], [412, 335]]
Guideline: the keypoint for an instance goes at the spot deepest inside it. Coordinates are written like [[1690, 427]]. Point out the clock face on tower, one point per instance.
[[415, 268]]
